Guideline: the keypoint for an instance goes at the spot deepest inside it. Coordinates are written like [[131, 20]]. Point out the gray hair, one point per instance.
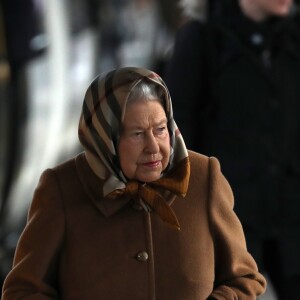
[[147, 90]]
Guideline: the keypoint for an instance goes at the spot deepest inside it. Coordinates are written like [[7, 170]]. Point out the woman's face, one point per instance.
[[144, 148]]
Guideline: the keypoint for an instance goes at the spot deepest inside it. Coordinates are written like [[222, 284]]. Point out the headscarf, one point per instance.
[[100, 125]]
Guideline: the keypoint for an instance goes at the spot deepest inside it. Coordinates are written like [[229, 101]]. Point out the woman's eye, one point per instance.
[[162, 129], [138, 133]]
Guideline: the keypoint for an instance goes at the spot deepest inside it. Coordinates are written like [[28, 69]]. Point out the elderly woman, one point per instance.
[[136, 215]]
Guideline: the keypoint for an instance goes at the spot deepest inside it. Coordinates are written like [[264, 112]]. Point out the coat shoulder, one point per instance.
[[198, 159], [66, 174], [202, 166], [65, 165], [199, 166], [202, 161]]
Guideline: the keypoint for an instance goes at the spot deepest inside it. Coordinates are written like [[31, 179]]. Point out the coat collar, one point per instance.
[[93, 187]]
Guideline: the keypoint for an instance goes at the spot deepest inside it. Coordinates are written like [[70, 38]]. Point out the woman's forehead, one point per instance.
[[153, 109]]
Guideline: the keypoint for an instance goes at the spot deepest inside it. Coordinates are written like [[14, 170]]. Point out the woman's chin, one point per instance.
[[152, 176]]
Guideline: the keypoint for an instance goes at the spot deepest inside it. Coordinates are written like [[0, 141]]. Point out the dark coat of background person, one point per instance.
[[239, 99]]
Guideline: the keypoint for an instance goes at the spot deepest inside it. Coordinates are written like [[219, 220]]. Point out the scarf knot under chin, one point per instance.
[[176, 182]]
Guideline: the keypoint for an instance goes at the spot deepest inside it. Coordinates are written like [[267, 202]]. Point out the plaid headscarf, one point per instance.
[[101, 120]]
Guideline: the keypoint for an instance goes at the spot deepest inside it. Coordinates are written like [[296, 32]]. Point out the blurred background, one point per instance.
[[49, 53]]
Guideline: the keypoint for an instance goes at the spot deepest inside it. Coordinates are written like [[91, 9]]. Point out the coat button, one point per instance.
[[142, 256], [137, 206]]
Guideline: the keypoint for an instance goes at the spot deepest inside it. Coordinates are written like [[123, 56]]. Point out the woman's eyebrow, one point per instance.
[[162, 121], [139, 126]]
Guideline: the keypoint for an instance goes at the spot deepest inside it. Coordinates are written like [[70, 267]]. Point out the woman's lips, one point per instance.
[[152, 164]]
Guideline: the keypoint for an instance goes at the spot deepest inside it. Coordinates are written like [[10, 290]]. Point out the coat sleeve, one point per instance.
[[35, 266], [236, 273]]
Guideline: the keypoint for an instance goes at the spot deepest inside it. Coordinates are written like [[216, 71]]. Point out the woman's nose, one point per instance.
[[151, 145]]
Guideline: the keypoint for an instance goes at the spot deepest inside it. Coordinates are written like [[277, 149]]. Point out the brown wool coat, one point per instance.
[[76, 247]]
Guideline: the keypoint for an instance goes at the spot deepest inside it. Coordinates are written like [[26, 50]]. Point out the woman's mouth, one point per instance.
[[152, 164]]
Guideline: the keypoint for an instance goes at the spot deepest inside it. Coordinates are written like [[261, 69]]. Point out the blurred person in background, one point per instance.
[[20, 22], [234, 81], [136, 215], [133, 33], [19, 25]]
